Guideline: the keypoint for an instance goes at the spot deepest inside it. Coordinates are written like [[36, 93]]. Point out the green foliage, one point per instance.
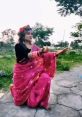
[[6, 64], [41, 43], [62, 44], [78, 32], [67, 60], [67, 7], [75, 45], [72, 53], [63, 67], [41, 32], [75, 34], [79, 26]]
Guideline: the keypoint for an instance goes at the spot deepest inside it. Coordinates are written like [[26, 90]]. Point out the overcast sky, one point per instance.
[[17, 13]]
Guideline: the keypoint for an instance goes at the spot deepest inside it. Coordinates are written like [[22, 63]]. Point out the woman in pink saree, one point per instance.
[[33, 71]]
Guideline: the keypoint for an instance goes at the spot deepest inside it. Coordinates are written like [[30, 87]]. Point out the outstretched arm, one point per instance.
[[61, 51]]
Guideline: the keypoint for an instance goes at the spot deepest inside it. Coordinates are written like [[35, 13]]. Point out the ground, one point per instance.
[[65, 98]]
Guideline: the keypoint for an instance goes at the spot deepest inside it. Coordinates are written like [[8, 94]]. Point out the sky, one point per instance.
[[17, 13]]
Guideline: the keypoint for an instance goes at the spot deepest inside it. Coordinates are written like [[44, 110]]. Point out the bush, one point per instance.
[[72, 53], [65, 67], [62, 66]]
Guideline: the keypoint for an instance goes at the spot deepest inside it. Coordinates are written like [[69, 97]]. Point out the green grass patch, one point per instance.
[[68, 60], [6, 64]]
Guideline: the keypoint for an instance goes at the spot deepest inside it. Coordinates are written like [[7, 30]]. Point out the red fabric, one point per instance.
[[31, 81], [22, 29]]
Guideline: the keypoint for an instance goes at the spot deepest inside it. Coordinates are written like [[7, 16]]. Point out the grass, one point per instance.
[[68, 60], [6, 64], [7, 60]]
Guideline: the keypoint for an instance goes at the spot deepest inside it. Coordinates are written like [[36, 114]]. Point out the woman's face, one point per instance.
[[28, 36]]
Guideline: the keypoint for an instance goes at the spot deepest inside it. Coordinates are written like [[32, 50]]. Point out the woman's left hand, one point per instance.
[[61, 51], [65, 49]]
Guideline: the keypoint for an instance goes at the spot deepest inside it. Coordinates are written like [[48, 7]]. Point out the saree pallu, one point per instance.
[[31, 81]]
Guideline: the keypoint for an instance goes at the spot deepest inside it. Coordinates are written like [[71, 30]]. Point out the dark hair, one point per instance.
[[22, 32], [21, 37]]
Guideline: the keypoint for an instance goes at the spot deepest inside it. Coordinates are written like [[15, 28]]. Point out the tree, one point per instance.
[[75, 34], [78, 33], [74, 44], [41, 34], [69, 6], [42, 43], [8, 36], [63, 44]]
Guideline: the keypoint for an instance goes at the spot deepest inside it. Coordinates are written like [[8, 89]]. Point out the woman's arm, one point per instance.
[[61, 51], [37, 53]]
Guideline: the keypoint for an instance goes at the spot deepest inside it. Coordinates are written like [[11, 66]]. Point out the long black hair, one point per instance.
[[21, 37]]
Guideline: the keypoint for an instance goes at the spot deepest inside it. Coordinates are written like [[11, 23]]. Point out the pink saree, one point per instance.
[[31, 81]]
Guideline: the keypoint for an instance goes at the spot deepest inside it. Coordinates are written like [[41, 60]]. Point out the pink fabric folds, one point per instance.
[[49, 63], [31, 81]]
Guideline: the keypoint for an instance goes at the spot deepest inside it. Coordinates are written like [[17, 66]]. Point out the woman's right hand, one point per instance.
[[61, 51], [65, 49]]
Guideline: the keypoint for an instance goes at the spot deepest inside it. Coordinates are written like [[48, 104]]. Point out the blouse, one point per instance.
[[21, 52]]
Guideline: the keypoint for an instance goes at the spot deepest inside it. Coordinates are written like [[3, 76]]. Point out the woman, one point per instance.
[[32, 72]]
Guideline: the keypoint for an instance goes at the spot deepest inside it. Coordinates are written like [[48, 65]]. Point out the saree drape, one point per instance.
[[31, 81]]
